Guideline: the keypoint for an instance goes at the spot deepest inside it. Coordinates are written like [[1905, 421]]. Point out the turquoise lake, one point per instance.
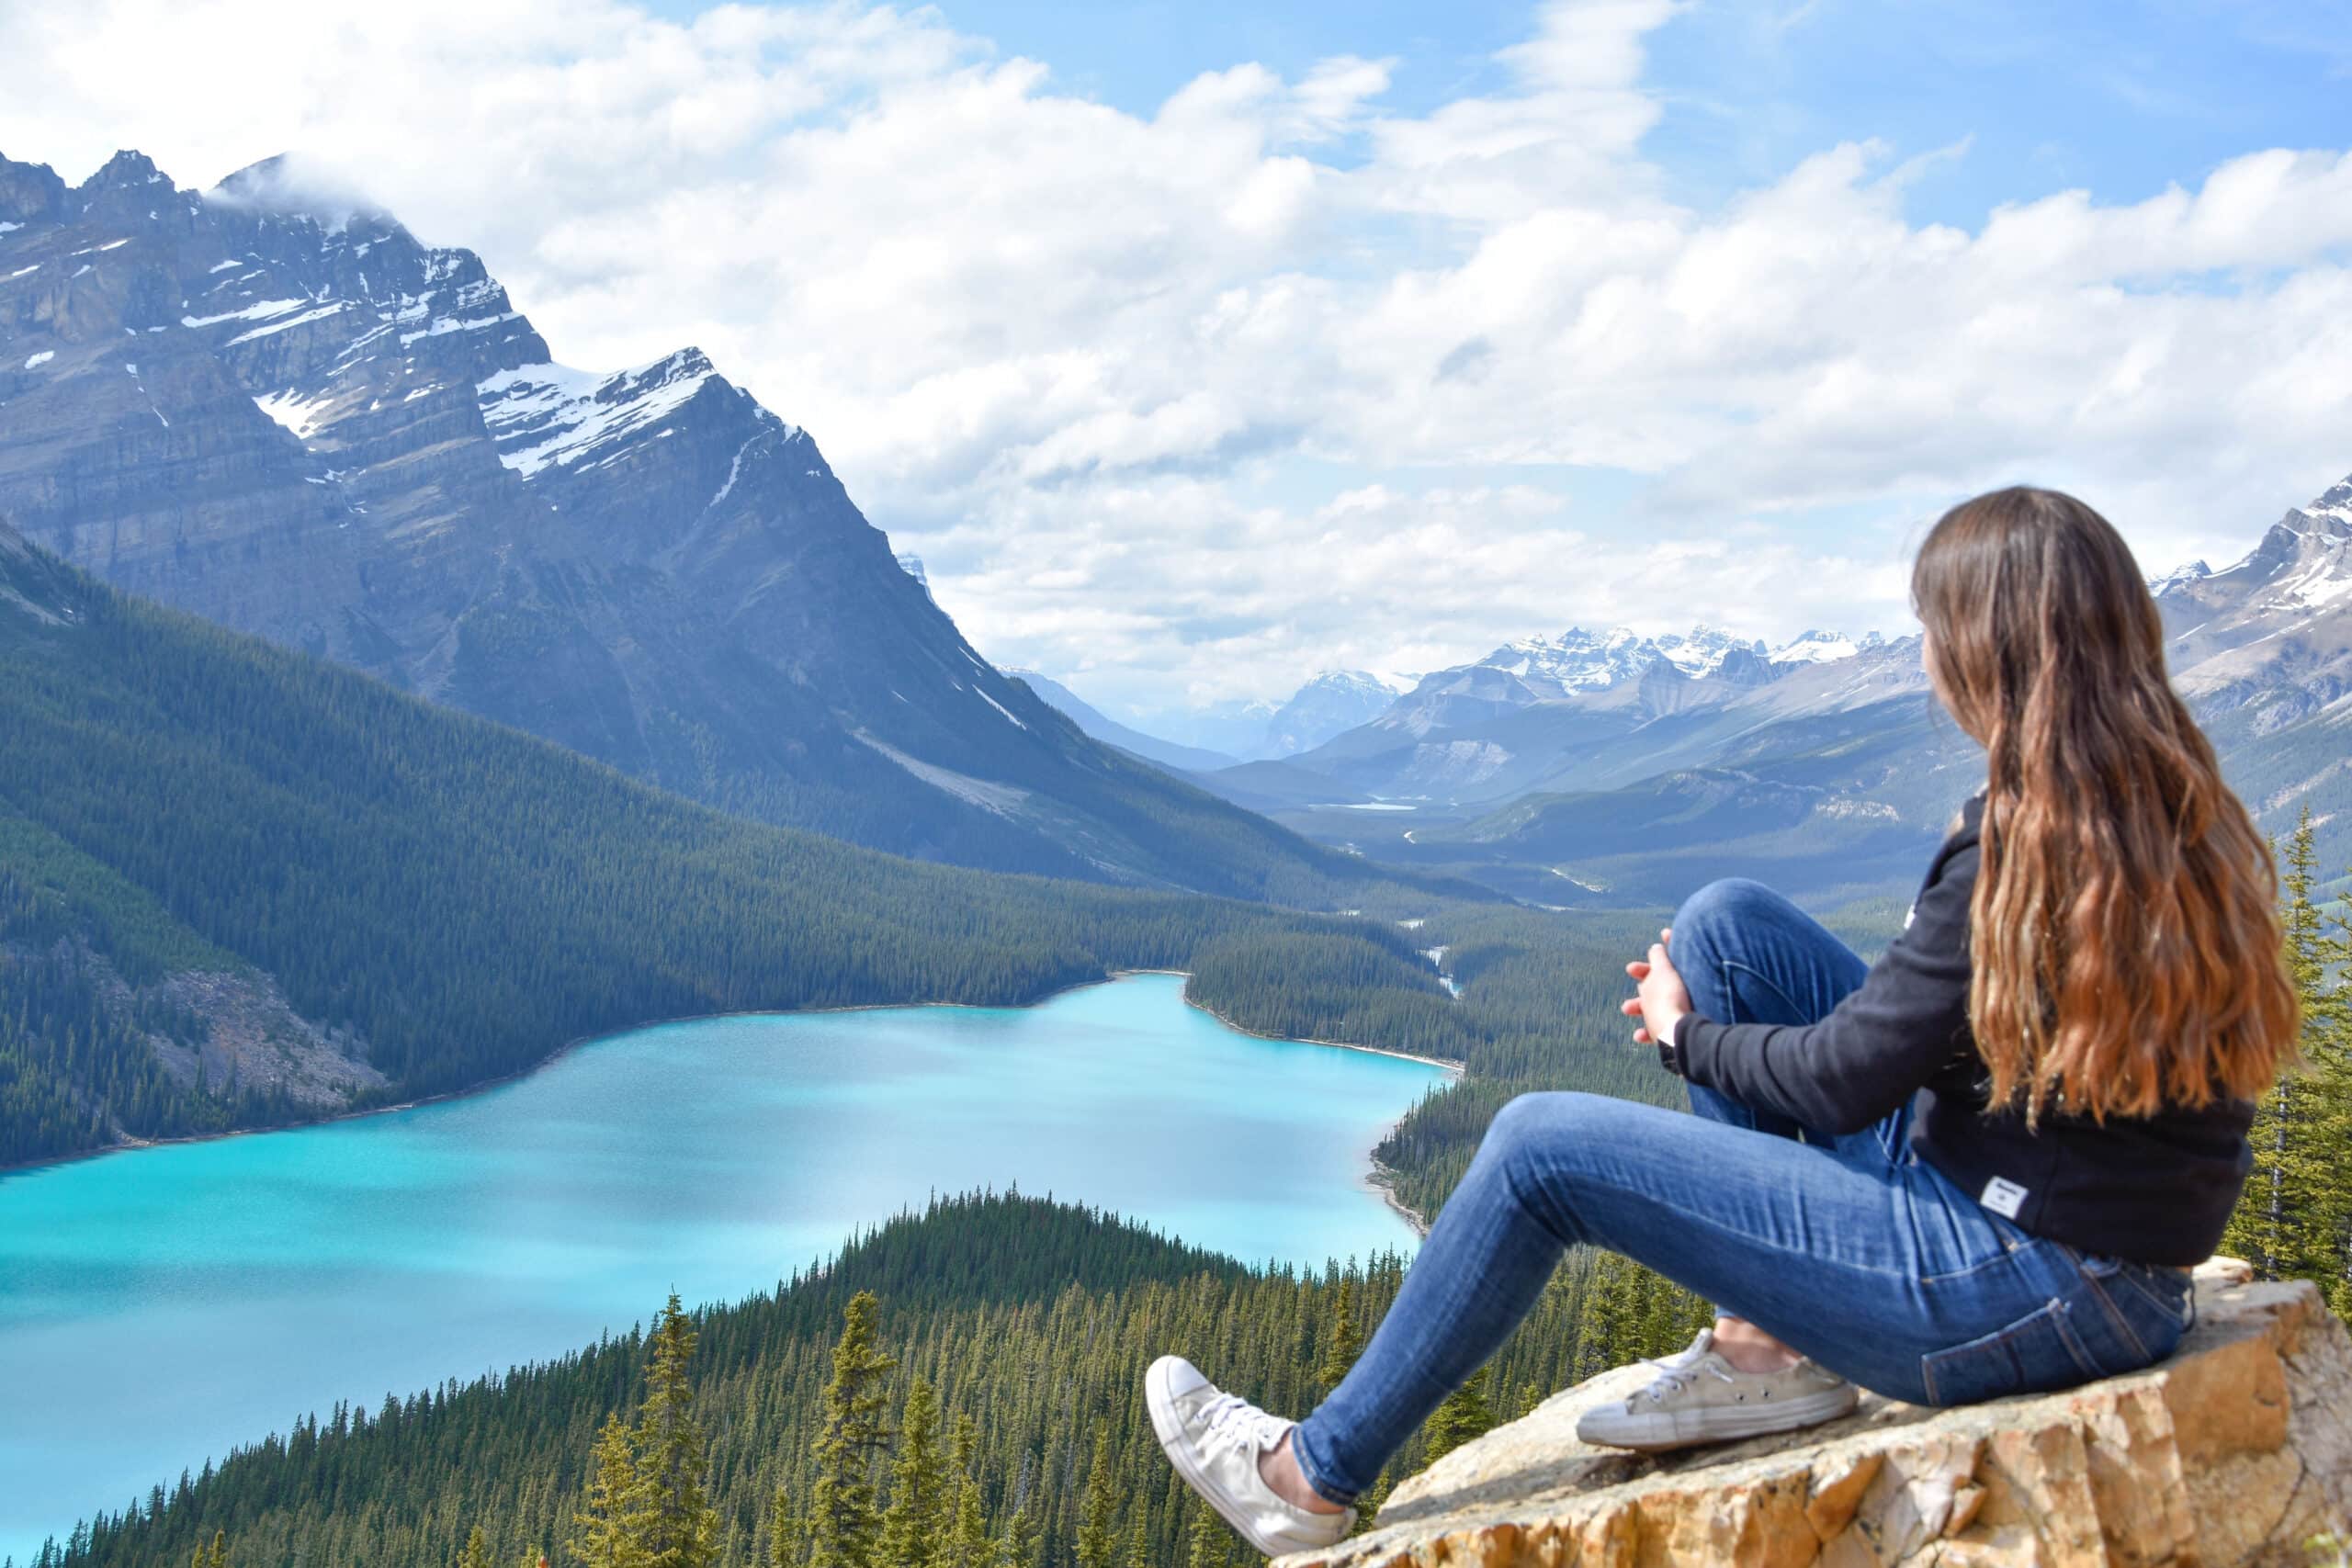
[[160, 1306]]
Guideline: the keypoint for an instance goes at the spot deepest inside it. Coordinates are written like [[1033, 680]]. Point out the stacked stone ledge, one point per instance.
[[2236, 1450]]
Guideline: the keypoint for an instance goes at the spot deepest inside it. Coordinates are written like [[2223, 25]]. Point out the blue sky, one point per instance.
[[2119, 98]]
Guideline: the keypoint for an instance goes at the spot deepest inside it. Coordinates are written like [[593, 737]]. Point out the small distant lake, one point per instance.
[[158, 1306]]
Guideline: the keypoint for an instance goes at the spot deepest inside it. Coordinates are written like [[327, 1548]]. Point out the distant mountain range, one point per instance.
[[1330, 704], [1609, 767], [1167, 753], [292, 418]]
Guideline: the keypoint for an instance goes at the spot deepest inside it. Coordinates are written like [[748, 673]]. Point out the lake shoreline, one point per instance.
[[1383, 1181], [130, 1145]]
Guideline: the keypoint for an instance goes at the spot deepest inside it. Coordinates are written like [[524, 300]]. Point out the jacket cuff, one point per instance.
[[1669, 1050]]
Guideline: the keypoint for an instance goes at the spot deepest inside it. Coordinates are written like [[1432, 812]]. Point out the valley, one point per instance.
[[487, 845]]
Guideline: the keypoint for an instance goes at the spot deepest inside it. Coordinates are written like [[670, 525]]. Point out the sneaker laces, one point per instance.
[[1674, 1379], [1231, 1416]]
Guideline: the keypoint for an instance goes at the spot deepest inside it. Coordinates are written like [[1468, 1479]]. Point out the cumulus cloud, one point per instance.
[[1188, 404]]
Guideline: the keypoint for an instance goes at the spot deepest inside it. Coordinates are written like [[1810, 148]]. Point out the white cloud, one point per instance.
[[1068, 352]]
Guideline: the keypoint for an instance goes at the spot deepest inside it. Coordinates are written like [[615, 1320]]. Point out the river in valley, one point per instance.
[[159, 1305]]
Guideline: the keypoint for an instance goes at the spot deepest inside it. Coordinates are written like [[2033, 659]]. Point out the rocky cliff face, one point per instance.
[[285, 413], [2237, 1451]]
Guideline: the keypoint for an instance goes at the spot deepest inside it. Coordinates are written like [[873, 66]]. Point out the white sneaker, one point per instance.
[[1214, 1441], [1699, 1397]]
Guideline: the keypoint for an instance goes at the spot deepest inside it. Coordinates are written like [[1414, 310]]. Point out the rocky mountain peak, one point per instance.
[[30, 193], [2181, 576], [284, 187], [2305, 558], [1702, 652], [1814, 646], [126, 170], [2332, 508], [1331, 704]]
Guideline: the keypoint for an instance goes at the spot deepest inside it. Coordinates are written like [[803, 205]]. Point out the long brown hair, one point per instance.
[[2125, 941]]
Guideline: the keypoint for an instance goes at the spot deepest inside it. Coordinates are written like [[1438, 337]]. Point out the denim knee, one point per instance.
[[1719, 906], [1541, 1126]]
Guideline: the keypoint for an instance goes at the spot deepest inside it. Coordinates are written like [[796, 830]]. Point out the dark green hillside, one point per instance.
[[1031, 1320], [442, 898]]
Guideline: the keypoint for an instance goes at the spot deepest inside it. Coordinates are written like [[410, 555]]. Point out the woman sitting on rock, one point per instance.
[[1982, 1165]]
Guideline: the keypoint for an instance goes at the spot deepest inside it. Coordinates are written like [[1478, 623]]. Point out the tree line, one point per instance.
[[2295, 1220]]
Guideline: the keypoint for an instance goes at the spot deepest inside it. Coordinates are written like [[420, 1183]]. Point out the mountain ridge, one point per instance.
[[318, 429]]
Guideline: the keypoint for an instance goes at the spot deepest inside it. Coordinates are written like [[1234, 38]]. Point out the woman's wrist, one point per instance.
[[1669, 1051]]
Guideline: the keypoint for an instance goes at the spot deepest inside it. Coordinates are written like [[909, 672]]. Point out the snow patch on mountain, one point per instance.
[[301, 415], [1814, 647], [258, 311], [318, 313], [1704, 649], [544, 416], [1000, 707]]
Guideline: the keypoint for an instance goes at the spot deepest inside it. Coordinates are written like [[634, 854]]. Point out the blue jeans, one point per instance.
[[1850, 1250]]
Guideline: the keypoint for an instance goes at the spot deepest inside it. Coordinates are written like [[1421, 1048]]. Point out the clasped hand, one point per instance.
[[1659, 998]]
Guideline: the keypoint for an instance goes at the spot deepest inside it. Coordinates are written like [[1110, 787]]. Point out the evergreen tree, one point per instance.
[[1208, 1543], [677, 1528], [843, 1526], [1346, 1342], [214, 1556], [966, 1543], [2295, 1219], [912, 1529], [1018, 1548], [788, 1542], [1095, 1539], [1463, 1415], [611, 1520], [1368, 1506], [476, 1553]]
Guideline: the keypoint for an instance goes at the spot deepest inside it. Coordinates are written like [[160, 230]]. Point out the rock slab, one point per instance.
[[2235, 1450]]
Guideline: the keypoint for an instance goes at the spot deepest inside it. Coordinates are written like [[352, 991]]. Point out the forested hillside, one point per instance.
[[1029, 1324], [393, 899]]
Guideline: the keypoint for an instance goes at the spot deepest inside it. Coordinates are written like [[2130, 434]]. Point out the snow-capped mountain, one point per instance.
[[2273, 631], [287, 414], [1822, 647], [1331, 704], [1704, 649], [1578, 660], [1617, 669]]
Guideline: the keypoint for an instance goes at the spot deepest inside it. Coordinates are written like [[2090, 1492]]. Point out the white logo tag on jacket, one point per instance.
[[2003, 1197]]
